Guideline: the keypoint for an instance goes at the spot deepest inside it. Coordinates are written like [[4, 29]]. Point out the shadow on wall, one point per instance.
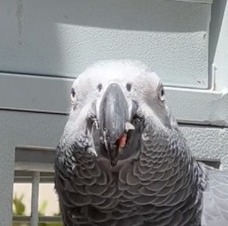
[[53, 37]]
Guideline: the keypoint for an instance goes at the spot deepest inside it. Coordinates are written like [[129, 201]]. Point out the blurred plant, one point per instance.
[[18, 205], [19, 208], [41, 212]]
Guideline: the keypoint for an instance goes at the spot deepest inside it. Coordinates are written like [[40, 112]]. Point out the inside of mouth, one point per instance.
[[121, 141], [119, 149], [123, 138]]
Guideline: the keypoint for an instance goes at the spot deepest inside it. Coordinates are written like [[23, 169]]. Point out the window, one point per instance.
[[34, 198]]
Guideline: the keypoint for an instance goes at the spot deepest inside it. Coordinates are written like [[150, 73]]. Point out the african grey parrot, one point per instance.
[[122, 160]]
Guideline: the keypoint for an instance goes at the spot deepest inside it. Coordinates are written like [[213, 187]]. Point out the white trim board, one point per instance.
[[52, 95]]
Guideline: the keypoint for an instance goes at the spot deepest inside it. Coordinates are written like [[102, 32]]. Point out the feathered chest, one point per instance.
[[139, 191]]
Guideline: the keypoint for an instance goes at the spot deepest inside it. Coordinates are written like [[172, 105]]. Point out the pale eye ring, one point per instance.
[[73, 95], [161, 93]]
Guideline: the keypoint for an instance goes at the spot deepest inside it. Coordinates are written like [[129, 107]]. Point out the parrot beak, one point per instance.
[[113, 115]]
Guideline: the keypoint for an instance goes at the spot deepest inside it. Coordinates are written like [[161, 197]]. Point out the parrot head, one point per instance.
[[111, 101]]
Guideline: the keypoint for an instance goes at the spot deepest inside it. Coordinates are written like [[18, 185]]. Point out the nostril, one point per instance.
[[128, 86], [99, 87]]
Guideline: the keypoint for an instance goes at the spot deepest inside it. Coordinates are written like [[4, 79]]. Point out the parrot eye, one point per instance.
[[161, 93], [73, 95]]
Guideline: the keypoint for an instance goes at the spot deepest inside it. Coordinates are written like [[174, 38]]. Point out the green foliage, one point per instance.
[[42, 210], [18, 205], [19, 208]]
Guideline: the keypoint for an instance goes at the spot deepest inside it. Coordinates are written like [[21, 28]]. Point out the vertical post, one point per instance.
[[35, 199]]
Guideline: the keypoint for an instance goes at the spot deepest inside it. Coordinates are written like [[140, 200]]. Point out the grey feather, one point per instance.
[[148, 176]]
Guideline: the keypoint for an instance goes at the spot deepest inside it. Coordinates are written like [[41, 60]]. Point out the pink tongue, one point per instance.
[[121, 142]]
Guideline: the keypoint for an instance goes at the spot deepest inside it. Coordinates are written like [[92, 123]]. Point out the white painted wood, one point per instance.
[[46, 94], [35, 199], [219, 45], [198, 106], [52, 37]]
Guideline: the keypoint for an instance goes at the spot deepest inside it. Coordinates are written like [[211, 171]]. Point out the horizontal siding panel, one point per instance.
[[52, 95], [55, 38]]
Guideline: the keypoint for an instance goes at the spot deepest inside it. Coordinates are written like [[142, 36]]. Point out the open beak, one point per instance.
[[113, 116]]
